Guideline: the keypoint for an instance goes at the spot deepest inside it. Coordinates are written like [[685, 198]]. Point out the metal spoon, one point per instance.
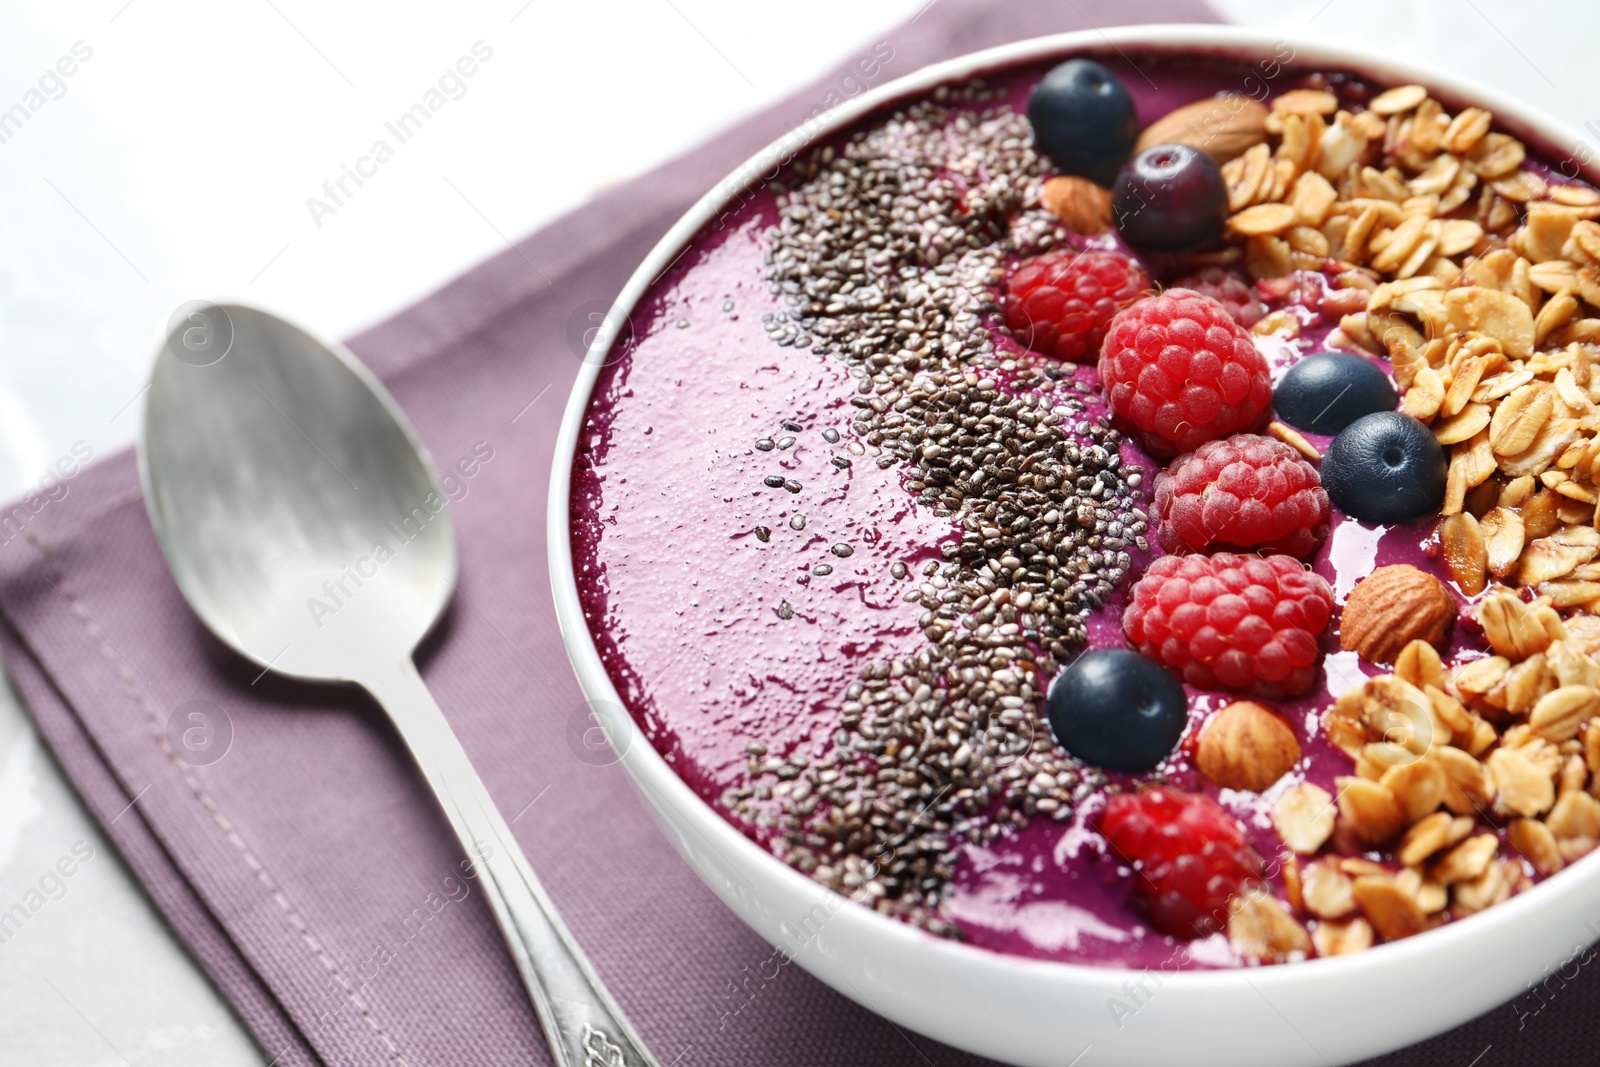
[[306, 527]]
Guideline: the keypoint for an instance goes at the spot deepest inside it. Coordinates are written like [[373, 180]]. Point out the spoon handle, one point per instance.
[[583, 1025]]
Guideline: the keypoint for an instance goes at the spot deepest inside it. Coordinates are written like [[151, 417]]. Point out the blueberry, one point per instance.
[[1083, 119], [1170, 198], [1326, 392], [1384, 468], [1118, 710]]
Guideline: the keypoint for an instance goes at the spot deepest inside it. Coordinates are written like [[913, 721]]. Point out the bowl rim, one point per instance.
[[650, 772]]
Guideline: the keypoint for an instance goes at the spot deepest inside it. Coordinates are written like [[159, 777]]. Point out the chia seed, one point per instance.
[[887, 255], [773, 481]]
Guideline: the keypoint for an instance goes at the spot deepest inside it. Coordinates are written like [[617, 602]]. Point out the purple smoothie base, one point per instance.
[[682, 598]]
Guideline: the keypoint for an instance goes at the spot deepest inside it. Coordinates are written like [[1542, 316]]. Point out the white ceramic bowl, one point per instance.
[[1032, 1013]]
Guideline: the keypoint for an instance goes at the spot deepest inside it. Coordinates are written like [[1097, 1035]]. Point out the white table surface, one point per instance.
[[177, 163]]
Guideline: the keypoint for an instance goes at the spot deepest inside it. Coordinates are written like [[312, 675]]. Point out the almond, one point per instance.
[[1245, 746], [1084, 206], [1392, 607], [1223, 127]]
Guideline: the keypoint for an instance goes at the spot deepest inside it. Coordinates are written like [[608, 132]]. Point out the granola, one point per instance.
[[1478, 278], [1480, 282]]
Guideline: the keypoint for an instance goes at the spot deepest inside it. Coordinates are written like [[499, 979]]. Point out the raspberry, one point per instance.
[[1180, 371], [1192, 856], [1245, 623], [1244, 492], [1059, 304], [1228, 289], [1305, 288]]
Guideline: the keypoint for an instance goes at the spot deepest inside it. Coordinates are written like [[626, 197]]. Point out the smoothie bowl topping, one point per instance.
[[1121, 524]]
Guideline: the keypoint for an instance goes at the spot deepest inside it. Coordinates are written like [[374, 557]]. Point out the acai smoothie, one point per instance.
[[1134, 511]]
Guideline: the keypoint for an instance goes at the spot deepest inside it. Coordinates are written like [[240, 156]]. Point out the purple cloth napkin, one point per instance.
[[307, 868]]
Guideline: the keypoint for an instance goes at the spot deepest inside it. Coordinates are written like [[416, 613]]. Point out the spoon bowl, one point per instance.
[[301, 517]]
